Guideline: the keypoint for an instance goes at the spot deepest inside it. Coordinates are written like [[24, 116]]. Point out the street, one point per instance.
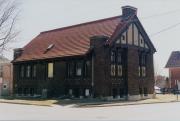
[[161, 111]]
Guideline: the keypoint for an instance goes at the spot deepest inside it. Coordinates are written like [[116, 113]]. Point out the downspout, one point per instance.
[[92, 82]]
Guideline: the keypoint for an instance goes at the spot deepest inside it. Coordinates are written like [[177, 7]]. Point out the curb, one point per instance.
[[96, 105], [93, 104], [25, 103]]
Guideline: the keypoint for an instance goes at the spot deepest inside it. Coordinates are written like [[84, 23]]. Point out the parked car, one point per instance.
[[157, 90]]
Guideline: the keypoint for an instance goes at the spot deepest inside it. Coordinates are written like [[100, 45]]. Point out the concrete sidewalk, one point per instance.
[[168, 98], [91, 103], [29, 102]]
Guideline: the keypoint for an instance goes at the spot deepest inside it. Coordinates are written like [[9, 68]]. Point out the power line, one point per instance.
[[165, 29], [155, 15], [161, 14]]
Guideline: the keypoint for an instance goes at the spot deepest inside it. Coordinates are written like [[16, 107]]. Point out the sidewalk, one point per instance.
[[92, 103], [168, 98], [29, 102]]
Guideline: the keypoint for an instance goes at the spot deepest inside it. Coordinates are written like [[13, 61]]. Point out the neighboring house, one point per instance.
[[3, 61], [108, 58], [173, 65], [7, 79], [162, 82]]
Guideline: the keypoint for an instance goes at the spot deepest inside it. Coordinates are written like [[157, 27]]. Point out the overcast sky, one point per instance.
[[41, 15]]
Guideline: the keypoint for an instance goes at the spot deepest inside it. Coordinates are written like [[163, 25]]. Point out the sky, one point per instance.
[[155, 15]]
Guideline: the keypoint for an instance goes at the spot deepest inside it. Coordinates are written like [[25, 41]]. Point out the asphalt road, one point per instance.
[[163, 111]]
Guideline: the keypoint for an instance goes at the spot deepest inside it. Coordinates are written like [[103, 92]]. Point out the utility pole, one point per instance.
[[177, 89]]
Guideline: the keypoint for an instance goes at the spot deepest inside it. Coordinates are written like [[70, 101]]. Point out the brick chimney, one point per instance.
[[17, 52], [128, 11]]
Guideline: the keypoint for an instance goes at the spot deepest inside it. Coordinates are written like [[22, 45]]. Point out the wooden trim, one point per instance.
[[133, 34]]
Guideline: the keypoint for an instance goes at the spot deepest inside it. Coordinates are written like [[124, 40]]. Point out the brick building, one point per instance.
[[5, 77], [110, 58], [173, 65]]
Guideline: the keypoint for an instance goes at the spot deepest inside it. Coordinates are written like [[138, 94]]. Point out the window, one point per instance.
[[121, 92], [140, 91], [19, 91], [119, 57], [5, 86], [116, 63], [50, 70], [113, 70], [119, 70], [119, 63], [70, 91], [32, 91], [34, 71], [70, 69], [113, 56], [143, 59], [87, 92], [87, 69], [145, 91], [28, 71], [123, 37], [142, 65], [1, 71], [143, 71], [79, 68], [139, 71], [22, 71]]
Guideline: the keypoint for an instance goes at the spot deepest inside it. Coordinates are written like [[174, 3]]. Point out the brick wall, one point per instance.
[[7, 78], [175, 75], [133, 64]]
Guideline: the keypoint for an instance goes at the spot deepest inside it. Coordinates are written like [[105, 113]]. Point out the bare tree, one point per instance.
[[8, 17]]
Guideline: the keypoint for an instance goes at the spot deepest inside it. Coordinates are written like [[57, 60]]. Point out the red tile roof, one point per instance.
[[68, 41]]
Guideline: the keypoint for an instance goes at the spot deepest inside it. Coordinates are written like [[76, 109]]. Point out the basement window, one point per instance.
[[145, 91]]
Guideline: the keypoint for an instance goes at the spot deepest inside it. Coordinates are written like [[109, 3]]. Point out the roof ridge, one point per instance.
[[76, 25], [175, 51]]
